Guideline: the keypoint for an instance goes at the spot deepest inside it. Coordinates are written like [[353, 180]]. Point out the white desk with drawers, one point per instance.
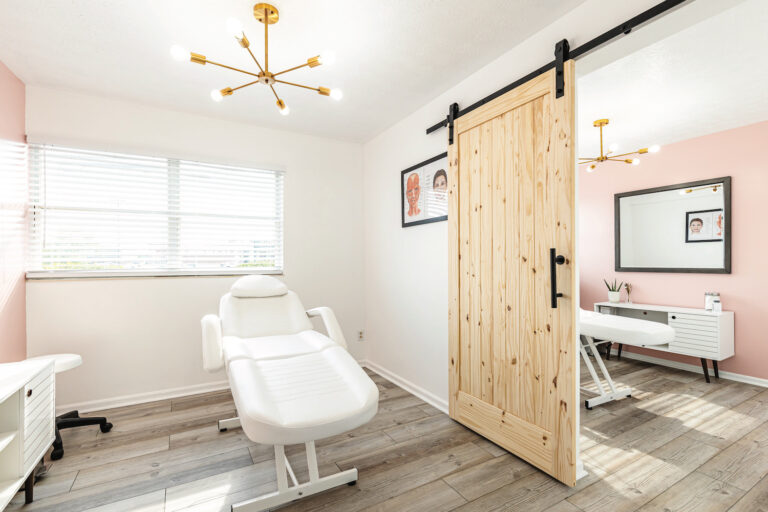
[[27, 420], [698, 332]]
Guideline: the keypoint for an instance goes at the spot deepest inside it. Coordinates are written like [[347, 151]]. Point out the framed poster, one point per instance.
[[704, 226], [424, 192]]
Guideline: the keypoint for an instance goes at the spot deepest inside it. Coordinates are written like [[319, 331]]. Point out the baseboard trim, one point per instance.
[[141, 398], [746, 379], [409, 386]]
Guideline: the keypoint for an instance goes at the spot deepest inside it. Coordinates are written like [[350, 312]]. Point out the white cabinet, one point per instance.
[[698, 332], [27, 422]]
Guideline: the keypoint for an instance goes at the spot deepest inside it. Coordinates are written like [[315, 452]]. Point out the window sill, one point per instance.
[[119, 274]]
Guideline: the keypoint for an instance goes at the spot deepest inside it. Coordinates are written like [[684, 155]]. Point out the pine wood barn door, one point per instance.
[[513, 355]]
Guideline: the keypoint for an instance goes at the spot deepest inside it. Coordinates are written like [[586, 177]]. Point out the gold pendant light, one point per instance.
[[268, 15], [610, 156]]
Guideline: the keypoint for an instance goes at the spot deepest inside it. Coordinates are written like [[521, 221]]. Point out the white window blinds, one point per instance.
[[109, 213]]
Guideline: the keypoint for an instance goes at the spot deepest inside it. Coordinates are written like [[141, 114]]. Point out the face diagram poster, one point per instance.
[[424, 192]]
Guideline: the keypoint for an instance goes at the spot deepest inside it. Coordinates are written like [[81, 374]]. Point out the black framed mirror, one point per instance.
[[682, 228]]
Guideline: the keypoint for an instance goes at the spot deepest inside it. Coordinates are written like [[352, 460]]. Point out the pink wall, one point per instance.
[[739, 153], [13, 337]]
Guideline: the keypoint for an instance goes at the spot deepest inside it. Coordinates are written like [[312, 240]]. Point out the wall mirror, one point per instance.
[[676, 228]]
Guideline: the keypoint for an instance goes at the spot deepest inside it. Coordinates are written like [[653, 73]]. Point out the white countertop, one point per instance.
[[656, 307]]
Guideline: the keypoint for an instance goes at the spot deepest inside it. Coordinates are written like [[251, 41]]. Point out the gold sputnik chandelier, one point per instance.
[[610, 156], [268, 15]]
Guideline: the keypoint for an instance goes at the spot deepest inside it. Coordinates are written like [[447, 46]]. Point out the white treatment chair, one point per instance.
[[615, 329], [291, 384]]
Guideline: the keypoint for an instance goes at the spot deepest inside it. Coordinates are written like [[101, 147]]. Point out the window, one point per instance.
[[96, 213]]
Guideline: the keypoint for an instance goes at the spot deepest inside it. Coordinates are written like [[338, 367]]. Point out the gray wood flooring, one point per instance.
[[679, 444]]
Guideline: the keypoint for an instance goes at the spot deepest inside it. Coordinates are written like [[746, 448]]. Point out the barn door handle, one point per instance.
[[558, 259]]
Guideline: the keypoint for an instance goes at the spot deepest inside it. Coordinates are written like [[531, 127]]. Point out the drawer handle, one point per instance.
[[29, 393], [674, 317]]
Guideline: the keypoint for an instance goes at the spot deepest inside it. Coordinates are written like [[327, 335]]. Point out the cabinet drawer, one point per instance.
[[37, 393], [38, 416], [706, 329], [697, 335], [685, 349], [690, 317]]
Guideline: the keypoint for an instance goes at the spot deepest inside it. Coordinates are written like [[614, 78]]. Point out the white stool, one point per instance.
[[62, 363]]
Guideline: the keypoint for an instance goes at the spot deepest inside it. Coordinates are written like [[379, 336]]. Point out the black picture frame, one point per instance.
[[726, 269], [412, 168], [696, 212]]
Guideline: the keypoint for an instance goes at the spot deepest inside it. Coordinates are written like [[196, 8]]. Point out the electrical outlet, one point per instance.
[[360, 336]]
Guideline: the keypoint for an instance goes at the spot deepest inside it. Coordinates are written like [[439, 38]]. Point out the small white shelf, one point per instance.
[[8, 489], [6, 438]]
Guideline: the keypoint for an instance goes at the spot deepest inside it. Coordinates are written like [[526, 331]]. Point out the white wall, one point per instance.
[[406, 269], [140, 338]]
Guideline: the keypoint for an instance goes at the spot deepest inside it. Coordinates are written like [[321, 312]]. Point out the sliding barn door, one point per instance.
[[513, 351]]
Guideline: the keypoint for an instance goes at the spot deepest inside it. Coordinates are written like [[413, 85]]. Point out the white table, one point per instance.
[[698, 332]]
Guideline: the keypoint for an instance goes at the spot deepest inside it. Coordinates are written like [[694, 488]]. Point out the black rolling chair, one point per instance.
[[62, 363], [70, 420]]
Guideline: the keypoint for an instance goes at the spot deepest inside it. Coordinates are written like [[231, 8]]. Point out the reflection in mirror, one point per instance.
[[681, 228]]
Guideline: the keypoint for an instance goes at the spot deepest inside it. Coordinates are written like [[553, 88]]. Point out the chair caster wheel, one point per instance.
[[586, 404], [57, 453], [352, 483], [106, 427]]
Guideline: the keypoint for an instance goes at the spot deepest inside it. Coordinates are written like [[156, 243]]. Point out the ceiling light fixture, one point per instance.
[[610, 156], [268, 15]]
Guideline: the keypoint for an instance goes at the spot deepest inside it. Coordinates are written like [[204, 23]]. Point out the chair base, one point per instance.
[[286, 494], [72, 419], [604, 396]]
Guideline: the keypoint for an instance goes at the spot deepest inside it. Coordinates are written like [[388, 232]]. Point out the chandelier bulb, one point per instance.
[[285, 110], [336, 94], [327, 58], [635, 161], [591, 168], [654, 149], [179, 53], [216, 95]]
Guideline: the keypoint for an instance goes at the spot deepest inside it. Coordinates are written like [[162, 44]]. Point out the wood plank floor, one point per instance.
[[678, 444]]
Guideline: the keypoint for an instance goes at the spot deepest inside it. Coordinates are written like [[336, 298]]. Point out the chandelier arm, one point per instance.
[[317, 89], [233, 69], [274, 92], [587, 158], [626, 154], [291, 69], [588, 161], [255, 60], [244, 85]]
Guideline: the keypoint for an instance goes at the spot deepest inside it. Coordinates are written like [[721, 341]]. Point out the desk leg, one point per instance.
[[706, 370], [29, 487], [714, 365], [618, 357]]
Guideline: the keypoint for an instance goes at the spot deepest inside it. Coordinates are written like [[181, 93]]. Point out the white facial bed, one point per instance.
[[615, 329], [291, 384]]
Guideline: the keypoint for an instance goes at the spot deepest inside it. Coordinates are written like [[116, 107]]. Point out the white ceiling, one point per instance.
[[393, 55], [709, 77]]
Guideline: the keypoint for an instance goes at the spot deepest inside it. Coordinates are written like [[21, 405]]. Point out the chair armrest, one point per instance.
[[213, 352], [331, 324]]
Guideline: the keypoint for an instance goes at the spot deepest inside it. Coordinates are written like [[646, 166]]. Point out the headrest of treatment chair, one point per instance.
[[249, 287]]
